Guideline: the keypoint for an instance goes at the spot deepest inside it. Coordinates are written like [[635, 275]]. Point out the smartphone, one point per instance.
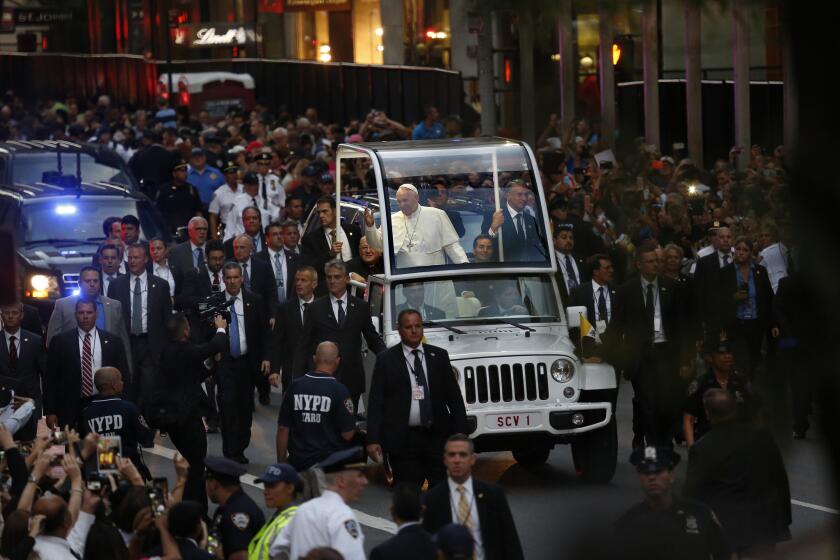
[[157, 492], [94, 485], [56, 470], [107, 450], [58, 437], [212, 544]]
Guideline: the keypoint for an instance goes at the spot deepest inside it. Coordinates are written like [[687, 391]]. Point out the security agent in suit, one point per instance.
[[288, 326], [282, 260], [480, 506], [415, 298], [68, 385], [707, 274], [22, 364], [571, 271], [242, 361], [411, 542], [599, 297], [146, 305], [327, 243], [109, 262], [252, 224], [174, 403], [414, 405], [520, 238], [652, 350], [343, 319], [188, 255]]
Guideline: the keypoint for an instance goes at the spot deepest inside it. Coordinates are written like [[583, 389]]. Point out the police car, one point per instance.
[[56, 212]]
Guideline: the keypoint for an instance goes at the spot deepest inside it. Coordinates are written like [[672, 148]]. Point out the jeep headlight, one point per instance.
[[43, 286], [456, 374], [562, 370]]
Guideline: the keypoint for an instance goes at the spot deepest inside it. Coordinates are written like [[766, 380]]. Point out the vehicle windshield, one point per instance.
[[30, 168], [518, 299], [72, 219], [457, 211]]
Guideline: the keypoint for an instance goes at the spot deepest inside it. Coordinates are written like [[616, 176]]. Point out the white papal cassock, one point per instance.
[[421, 238]]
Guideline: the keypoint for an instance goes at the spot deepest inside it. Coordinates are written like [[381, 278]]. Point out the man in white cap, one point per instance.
[[420, 234]]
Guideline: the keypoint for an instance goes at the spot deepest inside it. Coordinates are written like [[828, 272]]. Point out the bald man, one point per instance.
[[61, 538], [316, 417], [108, 414]]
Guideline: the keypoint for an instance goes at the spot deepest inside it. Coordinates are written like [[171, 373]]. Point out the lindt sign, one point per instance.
[[202, 35]]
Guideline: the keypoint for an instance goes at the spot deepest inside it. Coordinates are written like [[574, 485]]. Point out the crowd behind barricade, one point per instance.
[[688, 276]]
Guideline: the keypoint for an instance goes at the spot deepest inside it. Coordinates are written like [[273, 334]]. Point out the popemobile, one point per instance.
[[465, 241]]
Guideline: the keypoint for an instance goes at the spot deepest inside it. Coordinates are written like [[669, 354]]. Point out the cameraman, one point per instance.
[[174, 406]]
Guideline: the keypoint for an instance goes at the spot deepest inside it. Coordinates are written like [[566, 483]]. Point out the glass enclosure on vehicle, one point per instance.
[[457, 204], [29, 168]]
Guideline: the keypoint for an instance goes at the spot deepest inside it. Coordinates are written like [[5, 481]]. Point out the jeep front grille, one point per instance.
[[518, 382]]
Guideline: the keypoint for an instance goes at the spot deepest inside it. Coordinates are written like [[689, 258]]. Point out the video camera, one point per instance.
[[214, 304]]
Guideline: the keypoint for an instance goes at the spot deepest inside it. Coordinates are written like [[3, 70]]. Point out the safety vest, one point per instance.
[[259, 545]]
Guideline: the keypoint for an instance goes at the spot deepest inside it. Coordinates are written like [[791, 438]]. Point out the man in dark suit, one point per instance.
[[257, 275], [327, 243], [570, 269], [599, 298], [707, 274], [282, 260], [507, 301], [151, 164], [32, 319], [480, 506], [520, 238], [343, 319], [252, 222], [648, 324], [288, 325], [414, 405], [73, 358], [188, 255], [146, 305], [415, 298], [22, 364], [411, 542], [109, 266], [245, 358]]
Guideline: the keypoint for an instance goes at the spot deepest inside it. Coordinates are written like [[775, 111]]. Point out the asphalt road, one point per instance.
[[550, 505]]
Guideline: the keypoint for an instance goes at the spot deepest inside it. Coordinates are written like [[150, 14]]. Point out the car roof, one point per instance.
[[39, 191], [392, 146], [24, 146]]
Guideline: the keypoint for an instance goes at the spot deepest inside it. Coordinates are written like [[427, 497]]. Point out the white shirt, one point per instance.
[[775, 259], [212, 275], [513, 214], [334, 303], [234, 225], [414, 407], [322, 521], [107, 282], [162, 271], [421, 238], [279, 283], [454, 499], [275, 192], [238, 309], [302, 308], [95, 349], [720, 255], [8, 336], [223, 200], [341, 236], [144, 300], [658, 335], [561, 262], [596, 293], [56, 548]]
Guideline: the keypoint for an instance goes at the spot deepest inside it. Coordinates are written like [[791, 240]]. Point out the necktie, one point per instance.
[[602, 304], [254, 202], [87, 367], [340, 313], [520, 228], [303, 309], [725, 260], [425, 402], [570, 272], [137, 309], [464, 513], [13, 353], [216, 285], [262, 190], [649, 306], [245, 276], [235, 349], [199, 258], [278, 276]]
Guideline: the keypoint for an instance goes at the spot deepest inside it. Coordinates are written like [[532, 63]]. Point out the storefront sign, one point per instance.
[[316, 5], [203, 35], [41, 16]]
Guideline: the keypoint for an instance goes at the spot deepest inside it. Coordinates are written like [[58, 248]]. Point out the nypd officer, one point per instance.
[[238, 517], [316, 417], [664, 525], [281, 485], [721, 376], [271, 190], [328, 520], [108, 414]]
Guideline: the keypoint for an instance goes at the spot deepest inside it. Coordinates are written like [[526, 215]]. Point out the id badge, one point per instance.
[[657, 324], [419, 394], [601, 326]]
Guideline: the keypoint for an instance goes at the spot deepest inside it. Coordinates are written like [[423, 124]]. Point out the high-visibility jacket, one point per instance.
[[259, 545]]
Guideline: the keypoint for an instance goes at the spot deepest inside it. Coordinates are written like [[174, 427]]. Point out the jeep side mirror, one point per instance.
[[573, 315]]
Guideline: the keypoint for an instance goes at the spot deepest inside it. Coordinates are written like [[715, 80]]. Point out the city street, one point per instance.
[[551, 507]]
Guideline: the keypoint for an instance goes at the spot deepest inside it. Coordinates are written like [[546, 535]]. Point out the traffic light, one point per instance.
[[623, 58]]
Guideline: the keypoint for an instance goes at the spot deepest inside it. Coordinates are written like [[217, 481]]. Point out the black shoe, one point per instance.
[[799, 434], [241, 459], [265, 399]]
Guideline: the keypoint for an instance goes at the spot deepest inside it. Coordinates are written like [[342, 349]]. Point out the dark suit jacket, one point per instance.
[[429, 313], [229, 246], [292, 264], [410, 543], [102, 291], [31, 363], [286, 336], [315, 251], [63, 383], [180, 260], [583, 276], [390, 398], [727, 305], [498, 530], [159, 305], [706, 276], [261, 278], [320, 324], [631, 331], [533, 248], [32, 320], [257, 333]]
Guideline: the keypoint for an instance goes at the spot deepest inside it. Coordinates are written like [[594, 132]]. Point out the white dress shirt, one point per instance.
[[55, 548], [334, 303], [658, 335], [238, 309], [775, 259], [163, 271], [222, 202], [8, 336], [95, 350], [513, 214], [273, 263], [211, 275], [234, 225], [144, 298], [341, 236], [561, 262], [414, 407], [454, 498]]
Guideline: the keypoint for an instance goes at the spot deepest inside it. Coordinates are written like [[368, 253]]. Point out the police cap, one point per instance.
[[326, 178], [230, 167], [346, 459], [563, 227], [280, 472], [455, 541], [222, 468], [263, 157], [196, 152], [717, 343], [654, 459], [250, 178], [179, 164], [310, 171]]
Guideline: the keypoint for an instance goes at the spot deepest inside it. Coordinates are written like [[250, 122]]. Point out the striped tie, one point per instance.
[[464, 513], [87, 368]]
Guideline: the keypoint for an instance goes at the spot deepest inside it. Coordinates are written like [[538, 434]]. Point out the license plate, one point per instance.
[[512, 421]]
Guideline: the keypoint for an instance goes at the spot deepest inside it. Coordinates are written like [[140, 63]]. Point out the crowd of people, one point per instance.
[[688, 277]]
